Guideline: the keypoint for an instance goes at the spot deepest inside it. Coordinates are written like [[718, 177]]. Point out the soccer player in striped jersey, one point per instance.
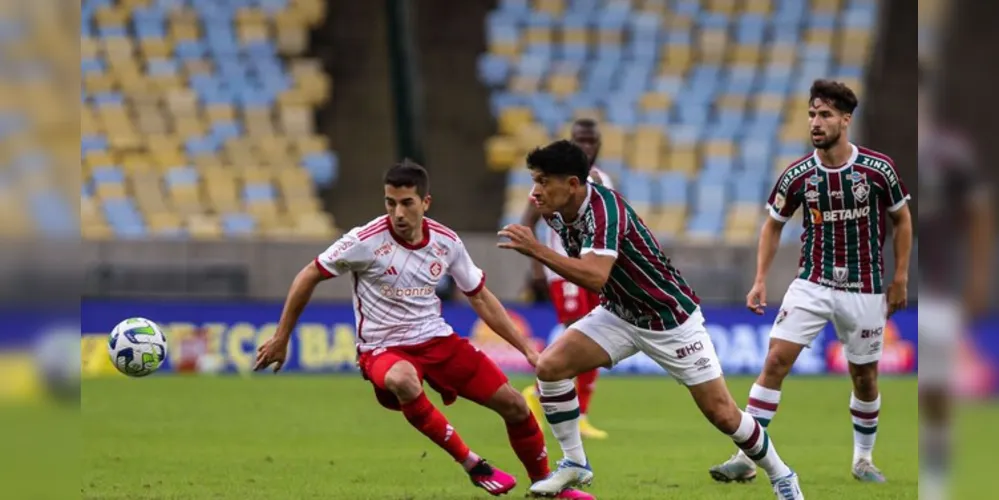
[[395, 263], [846, 193], [571, 301], [646, 306]]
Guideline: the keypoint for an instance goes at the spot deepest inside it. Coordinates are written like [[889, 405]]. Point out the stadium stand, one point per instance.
[[197, 120], [702, 102]]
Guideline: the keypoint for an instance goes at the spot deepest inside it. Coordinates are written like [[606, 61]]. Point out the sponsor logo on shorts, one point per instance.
[[851, 285], [689, 349], [871, 333], [875, 347], [703, 364]]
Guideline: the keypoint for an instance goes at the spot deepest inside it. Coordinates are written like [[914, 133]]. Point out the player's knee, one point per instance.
[[510, 405], [777, 365], [551, 369], [865, 383], [403, 381]]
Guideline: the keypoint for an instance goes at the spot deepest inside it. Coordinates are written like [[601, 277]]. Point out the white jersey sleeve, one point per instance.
[[344, 256], [467, 276]]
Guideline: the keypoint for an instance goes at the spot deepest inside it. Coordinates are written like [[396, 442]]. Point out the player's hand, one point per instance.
[[898, 296], [521, 239], [275, 350], [532, 357], [756, 299]]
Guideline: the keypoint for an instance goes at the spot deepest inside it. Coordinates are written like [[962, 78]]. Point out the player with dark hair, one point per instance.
[[395, 263], [646, 306], [571, 301], [847, 193], [955, 206]]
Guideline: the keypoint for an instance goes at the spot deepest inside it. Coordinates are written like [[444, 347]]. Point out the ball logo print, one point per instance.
[[137, 347]]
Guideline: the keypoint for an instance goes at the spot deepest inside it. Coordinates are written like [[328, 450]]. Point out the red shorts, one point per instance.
[[571, 301], [451, 366]]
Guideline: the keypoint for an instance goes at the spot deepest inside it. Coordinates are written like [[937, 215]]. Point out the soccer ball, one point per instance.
[[137, 347]]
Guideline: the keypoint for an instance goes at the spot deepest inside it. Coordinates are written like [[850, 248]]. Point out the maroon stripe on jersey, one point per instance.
[[839, 228], [360, 310], [651, 255], [475, 291], [864, 235], [863, 414], [442, 229], [818, 239], [599, 209], [322, 270], [763, 405]]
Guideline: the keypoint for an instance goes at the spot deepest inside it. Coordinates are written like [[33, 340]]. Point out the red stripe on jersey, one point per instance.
[[442, 229], [322, 270], [367, 233], [477, 289], [360, 310]]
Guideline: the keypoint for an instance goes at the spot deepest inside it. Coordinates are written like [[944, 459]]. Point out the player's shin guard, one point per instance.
[[585, 383], [561, 406], [528, 442], [865, 426], [754, 441], [422, 414]]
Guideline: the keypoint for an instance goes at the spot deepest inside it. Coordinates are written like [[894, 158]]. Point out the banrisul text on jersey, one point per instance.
[[644, 288], [844, 212]]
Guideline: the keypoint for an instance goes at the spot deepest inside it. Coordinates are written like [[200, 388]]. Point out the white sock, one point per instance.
[[934, 451], [755, 442], [762, 405], [561, 406], [865, 426]]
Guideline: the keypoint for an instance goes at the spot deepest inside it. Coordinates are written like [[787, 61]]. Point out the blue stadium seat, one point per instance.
[[713, 20], [53, 215], [493, 70], [238, 224], [751, 30], [91, 66], [515, 8], [687, 8], [260, 191], [673, 188], [181, 176], [323, 167], [93, 143], [108, 175]]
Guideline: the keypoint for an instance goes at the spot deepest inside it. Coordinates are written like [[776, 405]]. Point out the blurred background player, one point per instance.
[[646, 306], [956, 209], [395, 262], [571, 302], [845, 191]]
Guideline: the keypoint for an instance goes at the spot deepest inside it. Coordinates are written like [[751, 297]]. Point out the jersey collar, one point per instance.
[[405, 244], [849, 163]]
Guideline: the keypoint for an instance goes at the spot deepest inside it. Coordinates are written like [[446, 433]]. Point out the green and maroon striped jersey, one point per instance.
[[845, 209], [644, 288]]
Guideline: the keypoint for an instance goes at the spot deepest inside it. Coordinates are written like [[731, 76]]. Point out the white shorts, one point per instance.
[[859, 319], [941, 325], [686, 352]]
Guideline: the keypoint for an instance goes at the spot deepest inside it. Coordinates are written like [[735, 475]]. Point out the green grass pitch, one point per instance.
[[325, 437]]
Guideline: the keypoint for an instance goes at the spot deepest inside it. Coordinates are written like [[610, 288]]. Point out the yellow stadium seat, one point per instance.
[[181, 31], [553, 7], [654, 7], [252, 32], [740, 236], [758, 6], [501, 152], [655, 101], [563, 85], [769, 102], [251, 174], [189, 126], [746, 54], [207, 160], [719, 148], [100, 158], [609, 37], [155, 48], [538, 35], [512, 118], [111, 191], [523, 84], [732, 102], [97, 231], [796, 131], [204, 227], [722, 6], [826, 6], [713, 45], [574, 36], [317, 226], [220, 112], [819, 37], [683, 159], [311, 144], [89, 48], [197, 67], [163, 222], [678, 23], [782, 55], [612, 139]]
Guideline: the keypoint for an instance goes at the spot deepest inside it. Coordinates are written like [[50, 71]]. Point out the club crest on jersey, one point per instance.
[[436, 268], [840, 274], [815, 180], [861, 189], [811, 196]]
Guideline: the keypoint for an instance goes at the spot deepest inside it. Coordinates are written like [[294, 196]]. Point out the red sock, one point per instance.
[[528, 443], [585, 383], [421, 413]]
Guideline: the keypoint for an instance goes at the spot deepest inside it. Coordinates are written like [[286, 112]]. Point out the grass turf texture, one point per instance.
[[311, 437]]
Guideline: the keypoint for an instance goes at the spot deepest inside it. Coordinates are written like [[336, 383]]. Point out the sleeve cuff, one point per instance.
[[475, 291], [776, 216], [898, 206], [604, 252], [325, 271]]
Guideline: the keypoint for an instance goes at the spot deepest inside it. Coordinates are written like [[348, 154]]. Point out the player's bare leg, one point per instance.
[[716, 403], [865, 405], [571, 354], [404, 382], [764, 397]]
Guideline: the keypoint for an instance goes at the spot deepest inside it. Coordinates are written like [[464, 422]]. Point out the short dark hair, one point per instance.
[[835, 94], [560, 158], [585, 123], [408, 173]]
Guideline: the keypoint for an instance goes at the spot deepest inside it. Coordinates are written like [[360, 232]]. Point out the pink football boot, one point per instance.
[[491, 479], [576, 494]]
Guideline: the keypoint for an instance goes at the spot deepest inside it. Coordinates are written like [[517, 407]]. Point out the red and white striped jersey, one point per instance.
[[551, 239], [394, 281]]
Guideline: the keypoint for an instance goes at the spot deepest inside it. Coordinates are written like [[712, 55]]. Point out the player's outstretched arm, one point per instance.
[[275, 349], [493, 314], [530, 219], [590, 271], [981, 244], [766, 250]]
